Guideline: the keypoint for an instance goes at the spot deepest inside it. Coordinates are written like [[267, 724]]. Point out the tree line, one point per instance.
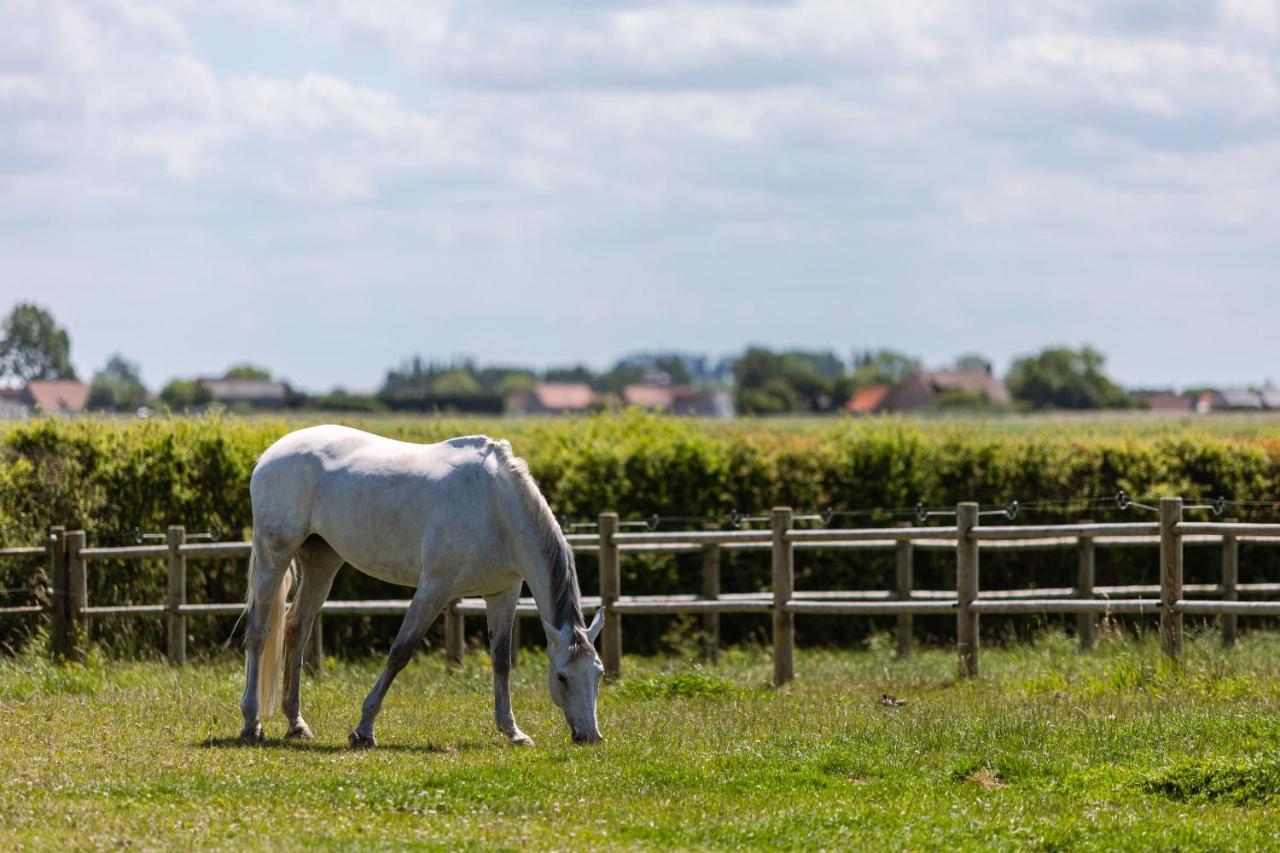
[[34, 346]]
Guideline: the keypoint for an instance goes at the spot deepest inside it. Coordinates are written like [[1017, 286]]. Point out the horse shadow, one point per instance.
[[236, 742]]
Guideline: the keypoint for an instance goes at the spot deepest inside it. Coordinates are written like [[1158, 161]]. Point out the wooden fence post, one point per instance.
[[1230, 577], [77, 595], [610, 589], [711, 592], [313, 659], [176, 537], [59, 587], [904, 569], [1086, 575], [454, 635], [784, 581], [1170, 576], [966, 589]]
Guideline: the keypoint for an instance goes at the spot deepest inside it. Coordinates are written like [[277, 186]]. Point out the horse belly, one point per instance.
[[372, 531]]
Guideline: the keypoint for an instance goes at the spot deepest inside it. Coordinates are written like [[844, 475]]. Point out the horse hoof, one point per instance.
[[300, 730], [522, 739], [253, 734], [359, 741]]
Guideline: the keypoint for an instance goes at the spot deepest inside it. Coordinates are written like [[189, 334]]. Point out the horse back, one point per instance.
[[382, 504]]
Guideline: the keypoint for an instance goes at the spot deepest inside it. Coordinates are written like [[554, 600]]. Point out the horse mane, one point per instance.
[[561, 568]]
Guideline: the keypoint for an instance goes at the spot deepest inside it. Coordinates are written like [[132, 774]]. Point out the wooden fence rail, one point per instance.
[[69, 562]]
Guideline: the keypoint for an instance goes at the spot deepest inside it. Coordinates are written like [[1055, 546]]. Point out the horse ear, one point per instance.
[[561, 637], [597, 624], [553, 636]]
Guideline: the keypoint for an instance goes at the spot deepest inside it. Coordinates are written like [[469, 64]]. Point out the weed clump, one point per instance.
[[1251, 781], [694, 683]]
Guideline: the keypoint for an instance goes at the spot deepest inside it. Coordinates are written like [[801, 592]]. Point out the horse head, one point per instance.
[[574, 674]]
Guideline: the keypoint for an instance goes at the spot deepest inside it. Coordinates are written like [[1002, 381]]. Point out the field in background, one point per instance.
[[1264, 426], [1113, 750]]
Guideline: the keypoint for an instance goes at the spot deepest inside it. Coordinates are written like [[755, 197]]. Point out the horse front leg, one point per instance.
[[317, 566], [426, 605], [500, 611]]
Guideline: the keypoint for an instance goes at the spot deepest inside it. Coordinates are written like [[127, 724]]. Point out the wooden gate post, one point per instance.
[[967, 589], [610, 589], [56, 546], [904, 569], [1230, 577], [77, 595], [711, 592], [455, 628], [1086, 576], [784, 582], [176, 537], [1170, 577]]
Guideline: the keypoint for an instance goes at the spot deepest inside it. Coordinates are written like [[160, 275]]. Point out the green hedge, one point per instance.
[[110, 477]]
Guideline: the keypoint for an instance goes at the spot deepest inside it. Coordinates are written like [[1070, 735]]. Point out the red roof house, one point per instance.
[[552, 398], [867, 400], [57, 396]]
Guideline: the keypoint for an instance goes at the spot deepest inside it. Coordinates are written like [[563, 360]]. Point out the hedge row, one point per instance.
[[110, 477]]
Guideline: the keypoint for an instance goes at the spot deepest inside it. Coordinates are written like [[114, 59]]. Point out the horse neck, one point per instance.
[[543, 574]]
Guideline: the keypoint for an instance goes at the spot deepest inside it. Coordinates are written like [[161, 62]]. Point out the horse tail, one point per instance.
[[563, 574], [272, 656]]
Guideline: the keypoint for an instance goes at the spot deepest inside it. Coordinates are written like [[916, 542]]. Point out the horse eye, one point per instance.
[[562, 678]]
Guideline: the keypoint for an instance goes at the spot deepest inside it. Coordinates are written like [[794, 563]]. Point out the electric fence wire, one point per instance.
[[1120, 501]]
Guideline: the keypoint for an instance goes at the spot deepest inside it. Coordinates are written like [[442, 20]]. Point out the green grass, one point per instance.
[[1050, 749]]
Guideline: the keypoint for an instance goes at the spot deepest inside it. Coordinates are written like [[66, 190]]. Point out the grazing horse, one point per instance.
[[462, 517]]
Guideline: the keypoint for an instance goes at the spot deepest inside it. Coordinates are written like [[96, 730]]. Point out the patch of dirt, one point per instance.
[[986, 778]]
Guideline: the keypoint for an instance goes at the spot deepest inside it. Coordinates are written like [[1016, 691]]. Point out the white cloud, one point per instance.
[[585, 138]]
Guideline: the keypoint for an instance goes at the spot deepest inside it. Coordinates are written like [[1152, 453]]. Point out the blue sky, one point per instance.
[[328, 187]]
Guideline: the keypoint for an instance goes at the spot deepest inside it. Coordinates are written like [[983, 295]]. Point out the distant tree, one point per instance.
[[973, 361], [772, 383], [33, 346], [513, 382], [182, 395], [882, 367], [455, 386], [1063, 378], [575, 373], [117, 386], [455, 383], [245, 370], [339, 400], [823, 362]]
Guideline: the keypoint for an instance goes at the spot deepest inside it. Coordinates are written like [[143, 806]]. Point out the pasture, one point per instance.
[[1115, 749]]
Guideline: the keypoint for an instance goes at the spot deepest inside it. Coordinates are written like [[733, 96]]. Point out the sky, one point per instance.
[[327, 187]]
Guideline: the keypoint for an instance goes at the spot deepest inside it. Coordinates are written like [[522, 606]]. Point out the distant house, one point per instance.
[[56, 396], [868, 400], [552, 398], [922, 389], [1165, 401], [1271, 398], [1240, 399], [250, 393], [13, 403], [677, 400]]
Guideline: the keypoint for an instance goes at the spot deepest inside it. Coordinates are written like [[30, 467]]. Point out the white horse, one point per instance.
[[462, 517]]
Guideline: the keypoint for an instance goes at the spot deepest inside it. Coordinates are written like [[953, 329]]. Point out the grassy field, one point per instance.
[[1049, 750], [1245, 426]]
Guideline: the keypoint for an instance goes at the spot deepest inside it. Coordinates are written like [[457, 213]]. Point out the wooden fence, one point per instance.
[[70, 610]]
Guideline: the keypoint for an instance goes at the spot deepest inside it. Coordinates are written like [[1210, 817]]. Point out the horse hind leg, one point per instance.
[[268, 587], [317, 566]]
